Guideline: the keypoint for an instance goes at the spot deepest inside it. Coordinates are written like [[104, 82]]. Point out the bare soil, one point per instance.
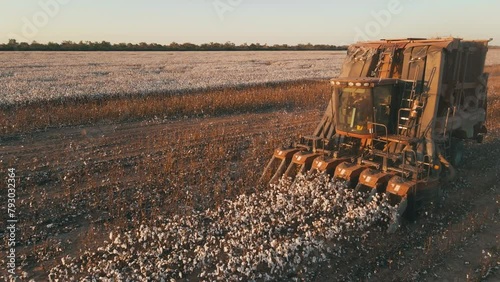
[[77, 183]]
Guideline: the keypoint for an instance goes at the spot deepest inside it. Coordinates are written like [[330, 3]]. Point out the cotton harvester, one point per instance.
[[397, 120]]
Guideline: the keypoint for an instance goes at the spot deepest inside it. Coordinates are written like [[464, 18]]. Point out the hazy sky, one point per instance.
[[239, 21]]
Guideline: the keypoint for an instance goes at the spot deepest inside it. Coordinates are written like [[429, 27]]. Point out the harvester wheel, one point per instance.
[[411, 210], [480, 138], [456, 152]]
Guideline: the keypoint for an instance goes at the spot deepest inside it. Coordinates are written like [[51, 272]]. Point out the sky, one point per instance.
[[246, 21]]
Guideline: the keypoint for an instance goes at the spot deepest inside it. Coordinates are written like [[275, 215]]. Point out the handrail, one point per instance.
[[386, 148], [404, 160], [429, 164]]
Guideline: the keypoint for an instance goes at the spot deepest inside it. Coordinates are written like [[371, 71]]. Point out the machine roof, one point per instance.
[[445, 43]]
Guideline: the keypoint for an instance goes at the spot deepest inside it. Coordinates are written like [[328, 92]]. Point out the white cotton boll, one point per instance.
[[281, 217], [74, 77]]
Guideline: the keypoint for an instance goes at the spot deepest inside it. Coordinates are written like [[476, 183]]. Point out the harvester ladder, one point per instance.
[[384, 65], [447, 140], [405, 123], [413, 91]]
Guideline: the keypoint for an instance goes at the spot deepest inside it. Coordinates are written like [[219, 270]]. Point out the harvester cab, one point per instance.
[[362, 103]]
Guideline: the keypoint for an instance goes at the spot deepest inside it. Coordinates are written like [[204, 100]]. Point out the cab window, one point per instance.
[[382, 98], [355, 110]]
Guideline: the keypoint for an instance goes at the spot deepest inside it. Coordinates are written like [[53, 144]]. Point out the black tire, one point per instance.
[[456, 152], [411, 211], [480, 138]]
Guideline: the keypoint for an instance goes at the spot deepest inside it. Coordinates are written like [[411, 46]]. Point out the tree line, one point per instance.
[[13, 45]]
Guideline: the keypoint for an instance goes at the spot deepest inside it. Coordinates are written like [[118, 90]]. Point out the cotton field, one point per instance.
[[31, 76], [493, 57], [264, 236]]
